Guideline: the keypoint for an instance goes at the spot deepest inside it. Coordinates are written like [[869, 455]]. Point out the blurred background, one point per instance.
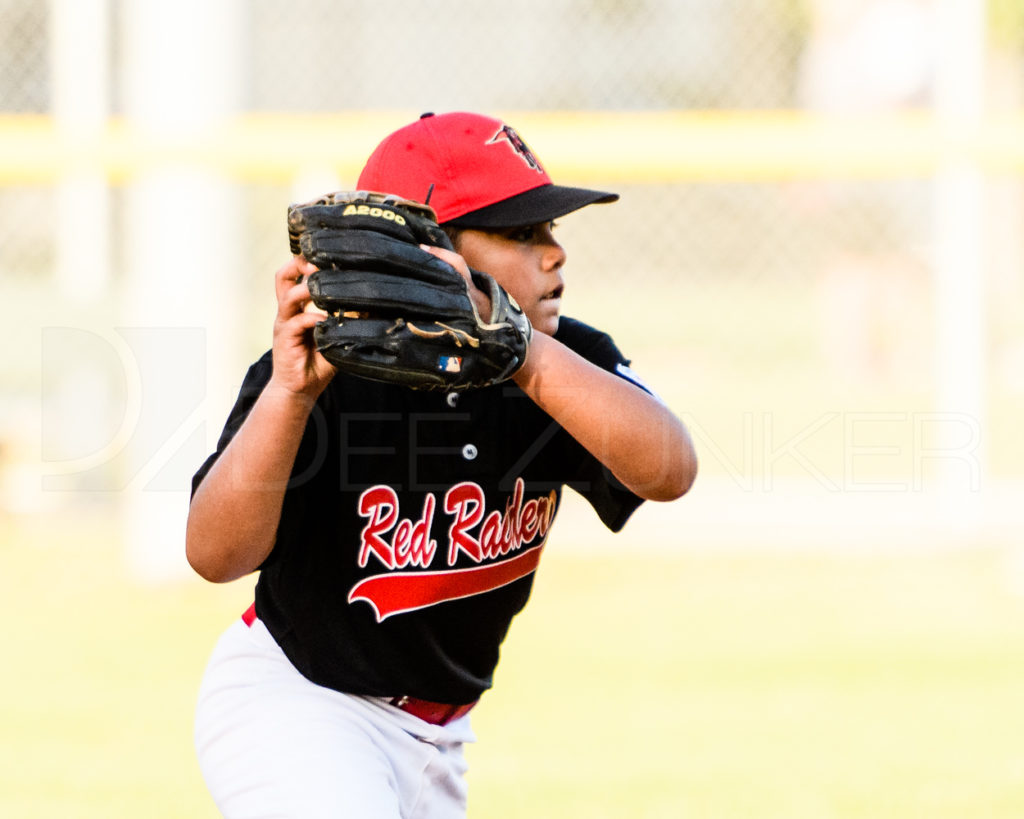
[[817, 261]]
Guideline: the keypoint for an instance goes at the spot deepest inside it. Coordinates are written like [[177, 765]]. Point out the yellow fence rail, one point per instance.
[[642, 147]]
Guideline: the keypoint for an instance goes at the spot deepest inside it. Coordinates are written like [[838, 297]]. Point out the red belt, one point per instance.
[[436, 713]]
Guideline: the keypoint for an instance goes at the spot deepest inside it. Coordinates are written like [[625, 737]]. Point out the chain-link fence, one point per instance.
[[562, 55], [778, 300]]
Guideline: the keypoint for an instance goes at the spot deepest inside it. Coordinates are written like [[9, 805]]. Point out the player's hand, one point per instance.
[[480, 300], [298, 367]]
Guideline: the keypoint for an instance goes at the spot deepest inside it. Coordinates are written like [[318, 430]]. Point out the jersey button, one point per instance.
[[452, 398], [469, 452]]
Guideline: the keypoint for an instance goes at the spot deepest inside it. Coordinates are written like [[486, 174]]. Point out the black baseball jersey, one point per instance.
[[412, 526]]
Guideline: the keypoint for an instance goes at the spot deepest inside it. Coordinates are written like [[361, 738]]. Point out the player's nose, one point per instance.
[[554, 255]]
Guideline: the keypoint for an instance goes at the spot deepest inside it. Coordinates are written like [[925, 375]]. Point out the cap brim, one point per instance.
[[532, 207]]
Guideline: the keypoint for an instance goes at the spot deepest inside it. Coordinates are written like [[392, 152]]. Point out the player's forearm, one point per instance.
[[235, 511], [636, 436]]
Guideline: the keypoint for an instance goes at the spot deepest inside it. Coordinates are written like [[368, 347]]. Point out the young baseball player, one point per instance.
[[396, 532]]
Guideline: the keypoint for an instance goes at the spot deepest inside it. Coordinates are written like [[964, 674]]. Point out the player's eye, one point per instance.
[[530, 233], [523, 234]]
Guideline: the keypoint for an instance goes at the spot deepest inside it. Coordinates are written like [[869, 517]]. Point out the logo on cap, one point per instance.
[[508, 134]]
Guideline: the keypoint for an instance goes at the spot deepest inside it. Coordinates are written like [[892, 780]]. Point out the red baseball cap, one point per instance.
[[474, 171]]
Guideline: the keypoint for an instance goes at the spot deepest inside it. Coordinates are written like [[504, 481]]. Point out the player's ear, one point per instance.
[[453, 234]]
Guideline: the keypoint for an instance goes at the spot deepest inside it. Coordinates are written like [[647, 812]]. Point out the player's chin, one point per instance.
[[544, 316]]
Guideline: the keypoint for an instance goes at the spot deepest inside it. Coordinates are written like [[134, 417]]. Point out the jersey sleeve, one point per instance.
[[252, 385], [610, 499]]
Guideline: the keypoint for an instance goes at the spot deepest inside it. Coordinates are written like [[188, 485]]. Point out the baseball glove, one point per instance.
[[395, 312]]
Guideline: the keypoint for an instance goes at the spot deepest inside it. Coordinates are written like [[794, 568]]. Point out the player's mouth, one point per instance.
[[553, 294]]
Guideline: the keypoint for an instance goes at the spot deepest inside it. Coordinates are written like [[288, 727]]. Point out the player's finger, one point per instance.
[[302, 322], [450, 257], [286, 277], [296, 360], [293, 292], [294, 272], [295, 298], [480, 299], [293, 335]]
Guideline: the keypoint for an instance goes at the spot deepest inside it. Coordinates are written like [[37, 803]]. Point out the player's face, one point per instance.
[[527, 262]]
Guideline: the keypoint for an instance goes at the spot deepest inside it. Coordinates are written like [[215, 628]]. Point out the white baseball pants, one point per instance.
[[271, 744]]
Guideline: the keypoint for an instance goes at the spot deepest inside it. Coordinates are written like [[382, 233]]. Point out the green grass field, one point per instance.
[[697, 684]]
